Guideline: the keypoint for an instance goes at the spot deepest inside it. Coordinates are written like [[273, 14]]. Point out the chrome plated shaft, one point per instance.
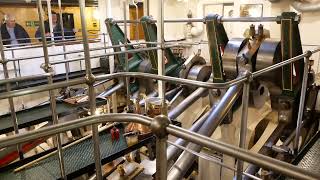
[[187, 102], [214, 119]]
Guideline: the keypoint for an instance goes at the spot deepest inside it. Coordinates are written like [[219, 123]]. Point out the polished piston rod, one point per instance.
[[245, 155]]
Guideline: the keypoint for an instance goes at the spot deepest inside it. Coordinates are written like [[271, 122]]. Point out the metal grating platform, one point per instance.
[[76, 158], [311, 161], [36, 115], [42, 81]]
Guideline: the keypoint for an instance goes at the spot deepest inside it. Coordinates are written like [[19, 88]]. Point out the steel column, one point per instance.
[[158, 127], [243, 129], [47, 68], [67, 67], [126, 55], [161, 164], [160, 38], [8, 88], [301, 104], [92, 97]]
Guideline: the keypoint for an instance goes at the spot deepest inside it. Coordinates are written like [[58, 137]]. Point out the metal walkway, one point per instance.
[[56, 78], [40, 114], [311, 161], [77, 158]]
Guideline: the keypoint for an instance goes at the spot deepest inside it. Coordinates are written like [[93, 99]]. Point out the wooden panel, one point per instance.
[[133, 27], [30, 13], [22, 14]]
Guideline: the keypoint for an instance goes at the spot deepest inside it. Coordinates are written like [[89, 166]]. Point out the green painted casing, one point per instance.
[[290, 47], [217, 39], [116, 36], [173, 64]]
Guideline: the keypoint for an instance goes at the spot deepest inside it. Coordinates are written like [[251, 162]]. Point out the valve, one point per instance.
[[115, 134]]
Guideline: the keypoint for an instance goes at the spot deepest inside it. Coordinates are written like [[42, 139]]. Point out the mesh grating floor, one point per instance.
[[311, 160], [76, 158]]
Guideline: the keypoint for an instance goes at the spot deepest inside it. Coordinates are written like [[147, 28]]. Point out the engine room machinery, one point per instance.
[[249, 111]]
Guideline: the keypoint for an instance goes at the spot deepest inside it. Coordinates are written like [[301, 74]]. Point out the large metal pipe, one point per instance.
[[172, 93], [160, 39], [266, 150], [173, 152], [187, 102], [112, 90], [243, 154], [254, 158], [214, 119]]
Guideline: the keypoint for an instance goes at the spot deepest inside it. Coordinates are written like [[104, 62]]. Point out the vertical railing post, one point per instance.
[[50, 20], [158, 127], [67, 67], [302, 100], [8, 88], [92, 97], [243, 127], [160, 39], [104, 44], [125, 4], [14, 63], [48, 69]]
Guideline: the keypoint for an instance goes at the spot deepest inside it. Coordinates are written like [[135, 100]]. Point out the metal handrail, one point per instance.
[[245, 155], [38, 44], [152, 76], [156, 126], [221, 19], [211, 159], [78, 51]]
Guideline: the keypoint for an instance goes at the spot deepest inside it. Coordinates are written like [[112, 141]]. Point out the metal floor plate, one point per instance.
[[311, 161], [40, 114], [76, 158]]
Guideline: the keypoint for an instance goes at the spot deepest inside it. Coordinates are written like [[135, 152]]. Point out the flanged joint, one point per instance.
[[308, 54], [244, 71], [90, 79], [47, 68], [159, 124]]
